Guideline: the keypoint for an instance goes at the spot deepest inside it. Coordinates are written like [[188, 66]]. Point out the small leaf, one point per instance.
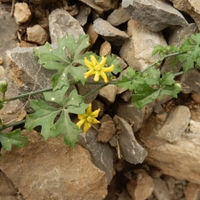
[[13, 138]]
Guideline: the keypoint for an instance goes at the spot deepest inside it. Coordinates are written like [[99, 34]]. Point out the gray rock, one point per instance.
[[25, 72], [175, 124], [83, 14], [176, 39], [156, 15], [131, 150], [109, 32], [118, 16], [108, 93], [137, 50], [131, 114], [190, 82], [102, 155], [61, 23]]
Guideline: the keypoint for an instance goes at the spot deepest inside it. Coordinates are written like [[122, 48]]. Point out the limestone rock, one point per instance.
[[141, 186], [102, 155], [192, 191], [93, 35], [137, 50], [93, 5], [107, 129], [83, 14], [179, 160], [52, 170], [155, 10], [131, 150], [176, 124], [160, 190], [109, 32], [189, 7], [105, 49], [25, 72], [190, 82], [108, 93], [62, 23], [118, 16], [108, 4], [37, 34], [22, 13], [131, 114]]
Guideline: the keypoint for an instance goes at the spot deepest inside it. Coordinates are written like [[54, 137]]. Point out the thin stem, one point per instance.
[[28, 94], [12, 124], [163, 58]]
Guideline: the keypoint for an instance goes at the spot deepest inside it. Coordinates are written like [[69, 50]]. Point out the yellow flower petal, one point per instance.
[[108, 69], [95, 113], [104, 77], [95, 121], [88, 63], [89, 73], [87, 125], [103, 61], [89, 109], [96, 76], [94, 60], [80, 123]]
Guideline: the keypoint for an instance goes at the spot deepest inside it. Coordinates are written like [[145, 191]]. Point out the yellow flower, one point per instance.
[[97, 68], [88, 118]]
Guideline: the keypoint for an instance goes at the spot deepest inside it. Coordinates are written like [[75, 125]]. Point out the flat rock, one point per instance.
[[176, 124], [37, 34], [52, 170], [109, 32], [131, 150], [151, 12], [192, 191], [25, 72], [118, 16], [93, 5], [137, 50], [107, 5], [131, 114], [102, 155], [61, 23], [83, 14]]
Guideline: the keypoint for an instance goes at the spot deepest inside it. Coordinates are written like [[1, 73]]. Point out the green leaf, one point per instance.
[[112, 60], [13, 138], [55, 118], [64, 58]]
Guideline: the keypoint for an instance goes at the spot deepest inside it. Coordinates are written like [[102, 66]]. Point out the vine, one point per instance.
[[73, 64]]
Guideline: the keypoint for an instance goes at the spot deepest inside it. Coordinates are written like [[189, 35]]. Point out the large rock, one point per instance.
[[131, 150], [53, 170], [61, 23], [156, 15], [137, 50], [176, 124], [109, 32], [190, 7], [102, 155]]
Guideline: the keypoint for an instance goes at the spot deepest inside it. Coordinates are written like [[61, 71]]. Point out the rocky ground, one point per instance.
[[151, 153]]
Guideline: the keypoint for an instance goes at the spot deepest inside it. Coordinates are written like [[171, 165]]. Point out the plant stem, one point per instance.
[[28, 94], [12, 124], [163, 58]]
